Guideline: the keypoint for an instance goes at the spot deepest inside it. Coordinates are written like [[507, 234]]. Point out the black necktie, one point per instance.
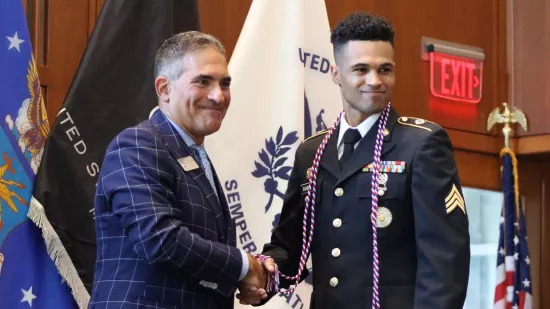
[[350, 138]]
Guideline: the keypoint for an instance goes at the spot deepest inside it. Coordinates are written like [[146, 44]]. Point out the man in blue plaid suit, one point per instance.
[[165, 237]]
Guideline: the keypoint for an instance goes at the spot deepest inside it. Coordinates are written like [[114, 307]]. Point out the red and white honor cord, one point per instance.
[[273, 279]]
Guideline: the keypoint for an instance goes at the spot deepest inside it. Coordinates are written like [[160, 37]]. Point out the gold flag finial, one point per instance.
[[507, 117]]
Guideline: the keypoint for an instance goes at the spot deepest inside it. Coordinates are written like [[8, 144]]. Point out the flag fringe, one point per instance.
[[58, 254]]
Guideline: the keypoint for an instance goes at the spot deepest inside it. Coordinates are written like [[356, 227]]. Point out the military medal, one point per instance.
[[384, 217], [397, 167], [382, 181]]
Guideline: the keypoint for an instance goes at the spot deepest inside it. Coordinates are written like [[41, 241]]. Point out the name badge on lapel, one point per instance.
[[305, 188], [188, 163]]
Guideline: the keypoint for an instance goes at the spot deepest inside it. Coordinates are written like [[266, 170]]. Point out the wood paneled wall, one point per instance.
[[530, 78], [530, 47], [534, 184]]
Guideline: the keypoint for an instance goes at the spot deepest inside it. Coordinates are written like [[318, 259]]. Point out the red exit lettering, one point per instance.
[[455, 78]]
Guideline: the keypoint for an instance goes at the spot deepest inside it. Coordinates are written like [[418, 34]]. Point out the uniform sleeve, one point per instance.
[[286, 241], [441, 226], [137, 181]]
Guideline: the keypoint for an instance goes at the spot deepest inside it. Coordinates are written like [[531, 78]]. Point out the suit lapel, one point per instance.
[[179, 149], [364, 153], [227, 237]]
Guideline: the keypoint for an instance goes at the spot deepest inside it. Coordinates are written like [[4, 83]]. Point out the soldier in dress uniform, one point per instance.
[[422, 240]]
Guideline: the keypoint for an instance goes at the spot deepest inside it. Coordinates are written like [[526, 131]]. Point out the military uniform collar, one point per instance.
[[364, 153], [363, 127]]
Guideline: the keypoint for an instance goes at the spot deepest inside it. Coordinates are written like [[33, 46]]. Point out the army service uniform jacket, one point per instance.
[[423, 239]]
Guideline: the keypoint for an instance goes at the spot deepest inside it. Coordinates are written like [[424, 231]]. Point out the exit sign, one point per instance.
[[456, 78]]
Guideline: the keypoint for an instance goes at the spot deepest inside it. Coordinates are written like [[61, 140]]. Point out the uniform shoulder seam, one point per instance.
[[315, 135], [416, 123]]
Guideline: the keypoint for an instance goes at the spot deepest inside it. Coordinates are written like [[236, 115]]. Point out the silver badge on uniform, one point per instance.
[[305, 188], [382, 181]]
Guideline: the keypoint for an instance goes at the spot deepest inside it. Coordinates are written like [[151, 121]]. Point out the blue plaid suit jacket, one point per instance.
[[164, 240]]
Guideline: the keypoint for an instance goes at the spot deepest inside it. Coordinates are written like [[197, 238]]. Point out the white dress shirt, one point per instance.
[[363, 128]]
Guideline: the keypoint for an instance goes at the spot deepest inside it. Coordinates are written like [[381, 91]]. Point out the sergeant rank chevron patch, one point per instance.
[[454, 200]]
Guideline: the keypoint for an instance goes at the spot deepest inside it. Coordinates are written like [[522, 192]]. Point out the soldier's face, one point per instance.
[[365, 73]]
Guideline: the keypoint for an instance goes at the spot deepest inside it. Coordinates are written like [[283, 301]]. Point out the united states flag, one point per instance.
[[513, 282]]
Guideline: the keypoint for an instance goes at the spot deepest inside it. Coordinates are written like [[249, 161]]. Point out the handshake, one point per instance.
[[252, 289]]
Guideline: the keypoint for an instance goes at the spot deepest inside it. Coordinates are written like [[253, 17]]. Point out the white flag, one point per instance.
[[281, 93]]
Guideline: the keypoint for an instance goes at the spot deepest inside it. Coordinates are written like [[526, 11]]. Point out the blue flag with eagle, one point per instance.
[[28, 277]]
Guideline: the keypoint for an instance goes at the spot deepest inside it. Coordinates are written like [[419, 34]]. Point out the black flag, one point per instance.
[[112, 89]]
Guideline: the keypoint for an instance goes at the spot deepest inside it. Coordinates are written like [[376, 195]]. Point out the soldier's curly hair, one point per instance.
[[361, 26]]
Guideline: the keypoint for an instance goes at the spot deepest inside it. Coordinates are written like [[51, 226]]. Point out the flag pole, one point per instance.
[[508, 118]]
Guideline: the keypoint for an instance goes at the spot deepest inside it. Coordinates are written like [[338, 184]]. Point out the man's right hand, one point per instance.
[[252, 287], [254, 294], [256, 275]]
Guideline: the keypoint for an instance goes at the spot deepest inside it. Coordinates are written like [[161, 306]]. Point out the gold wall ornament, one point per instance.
[[507, 118]]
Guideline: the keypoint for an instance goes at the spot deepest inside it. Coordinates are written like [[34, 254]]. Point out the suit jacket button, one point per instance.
[[339, 192], [333, 281], [335, 252], [337, 222]]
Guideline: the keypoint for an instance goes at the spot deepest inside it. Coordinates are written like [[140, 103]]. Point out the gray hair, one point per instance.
[[169, 57]]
